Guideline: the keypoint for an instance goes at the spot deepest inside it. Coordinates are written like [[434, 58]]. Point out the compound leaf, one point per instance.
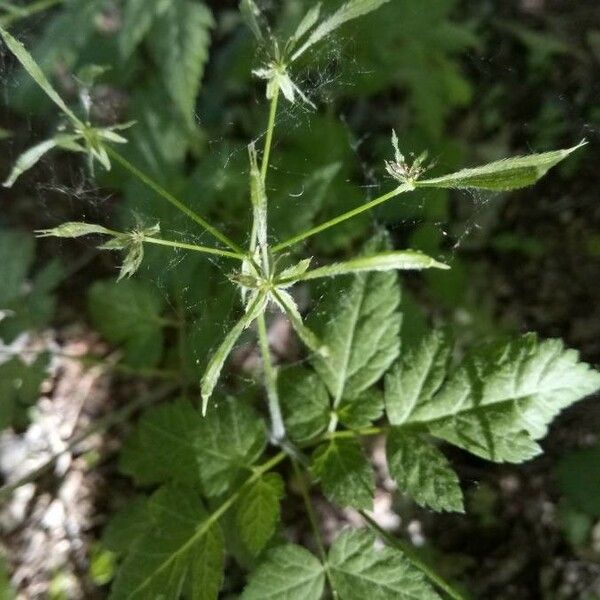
[[231, 438], [258, 510], [503, 175], [288, 573], [180, 41], [304, 403], [346, 476], [501, 398], [361, 411], [363, 338], [181, 546], [423, 472], [360, 571], [162, 448]]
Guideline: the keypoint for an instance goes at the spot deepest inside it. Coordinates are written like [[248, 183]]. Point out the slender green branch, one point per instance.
[[22, 12], [194, 247], [269, 138], [310, 513], [407, 550], [343, 217], [270, 376], [171, 199], [101, 425]]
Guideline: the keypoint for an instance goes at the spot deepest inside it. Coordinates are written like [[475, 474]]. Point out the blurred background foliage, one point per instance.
[[470, 81]]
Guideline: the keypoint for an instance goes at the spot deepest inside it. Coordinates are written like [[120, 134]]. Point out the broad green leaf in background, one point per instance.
[[361, 571], [423, 472], [579, 479], [348, 11], [417, 375], [287, 573], [304, 403], [501, 398], [6, 590], [363, 338], [180, 546], [20, 388], [126, 525], [503, 175], [180, 39], [27, 301], [258, 511], [138, 17], [231, 438], [346, 475], [129, 313], [162, 447]]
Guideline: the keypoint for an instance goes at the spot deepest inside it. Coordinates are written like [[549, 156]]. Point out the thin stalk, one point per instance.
[[269, 139], [270, 376], [171, 199], [194, 247], [110, 420], [310, 512], [407, 550], [343, 217], [22, 12]]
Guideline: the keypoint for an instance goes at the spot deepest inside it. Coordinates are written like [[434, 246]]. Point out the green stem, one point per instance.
[[407, 550], [313, 524], [269, 138], [110, 420], [343, 217], [194, 247], [22, 12], [270, 376], [153, 185]]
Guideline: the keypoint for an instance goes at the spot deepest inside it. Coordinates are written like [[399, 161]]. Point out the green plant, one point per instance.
[[219, 489]]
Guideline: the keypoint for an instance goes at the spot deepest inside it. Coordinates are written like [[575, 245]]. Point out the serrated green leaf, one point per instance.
[[23, 56], [503, 175], [361, 411], [163, 446], [180, 39], [363, 339], [126, 526], [294, 272], [501, 399], [258, 511], [346, 475], [180, 546], [215, 365], [128, 313], [231, 438], [304, 403], [423, 472], [138, 16], [386, 261], [287, 573], [351, 10], [417, 375], [361, 571]]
